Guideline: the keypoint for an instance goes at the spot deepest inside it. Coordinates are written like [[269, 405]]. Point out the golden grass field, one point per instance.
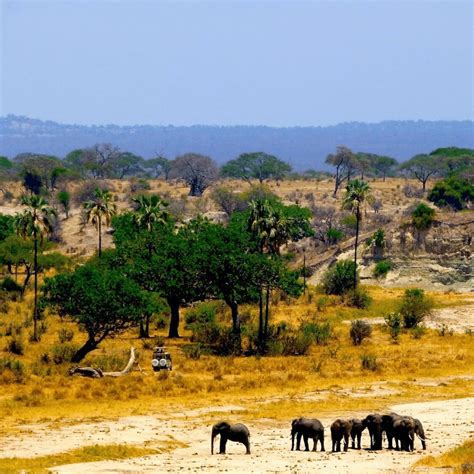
[[329, 381]]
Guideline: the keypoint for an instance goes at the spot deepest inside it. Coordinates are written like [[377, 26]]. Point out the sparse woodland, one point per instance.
[[264, 284]]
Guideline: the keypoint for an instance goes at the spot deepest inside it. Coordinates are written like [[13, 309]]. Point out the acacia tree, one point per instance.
[[256, 165], [422, 167], [197, 171], [345, 162], [358, 193], [104, 302], [160, 166], [100, 210], [35, 222]]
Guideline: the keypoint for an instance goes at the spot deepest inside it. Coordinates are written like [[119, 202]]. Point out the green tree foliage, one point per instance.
[[7, 226], [35, 222], [340, 278], [453, 191], [126, 164], [414, 307], [422, 216], [456, 161], [101, 300], [256, 165], [422, 167], [160, 166], [377, 242], [358, 194], [382, 268], [228, 201], [345, 162], [100, 210], [64, 198]]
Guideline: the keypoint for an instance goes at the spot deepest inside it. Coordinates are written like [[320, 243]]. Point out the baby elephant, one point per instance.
[[340, 429], [307, 428], [237, 432], [356, 432]]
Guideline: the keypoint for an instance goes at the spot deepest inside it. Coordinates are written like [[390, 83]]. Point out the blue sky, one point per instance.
[[242, 62]]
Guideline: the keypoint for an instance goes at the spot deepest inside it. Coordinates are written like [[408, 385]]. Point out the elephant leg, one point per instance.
[[359, 436], [222, 444], [315, 440], [321, 440], [298, 441], [346, 442], [247, 446], [389, 440], [353, 438], [306, 444]]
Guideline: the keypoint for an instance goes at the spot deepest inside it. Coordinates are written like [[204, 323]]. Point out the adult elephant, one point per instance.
[[340, 430], [404, 432], [308, 428], [227, 432], [373, 423], [356, 432], [387, 426], [420, 432]]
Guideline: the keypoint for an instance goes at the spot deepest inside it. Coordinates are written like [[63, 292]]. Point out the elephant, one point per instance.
[[420, 432], [404, 432], [307, 428], [237, 432], [340, 429], [373, 423], [356, 432], [387, 426]]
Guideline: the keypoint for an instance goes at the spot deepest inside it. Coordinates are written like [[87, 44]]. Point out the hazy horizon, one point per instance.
[[276, 64]]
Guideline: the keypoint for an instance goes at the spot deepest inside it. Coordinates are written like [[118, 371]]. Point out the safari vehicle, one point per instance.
[[161, 359]]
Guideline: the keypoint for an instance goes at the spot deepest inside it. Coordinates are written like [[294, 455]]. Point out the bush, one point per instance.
[[9, 284], [369, 362], [359, 331], [204, 313], [334, 235], [418, 331], [415, 306], [340, 278], [15, 368], [65, 335], [320, 333], [193, 351], [358, 298], [454, 192], [15, 346], [422, 216], [63, 353], [394, 323], [382, 268]]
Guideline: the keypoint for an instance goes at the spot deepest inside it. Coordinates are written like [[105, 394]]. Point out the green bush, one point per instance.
[[340, 278], [369, 362], [320, 333], [193, 351], [382, 268], [394, 324], [63, 353], [13, 366], [415, 306], [358, 298], [9, 284], [454, 192], [359, 331], [16, 346], [422, 216], [418, 331], [65, 335], [204, 313], [334, 235]]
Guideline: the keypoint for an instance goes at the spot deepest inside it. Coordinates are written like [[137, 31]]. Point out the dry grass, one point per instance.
[[84, 454], [459, 460]]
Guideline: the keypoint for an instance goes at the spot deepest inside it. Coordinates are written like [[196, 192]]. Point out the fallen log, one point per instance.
[[95, 373]]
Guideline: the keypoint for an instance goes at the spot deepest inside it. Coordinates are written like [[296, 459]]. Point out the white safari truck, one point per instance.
[[161, 359]]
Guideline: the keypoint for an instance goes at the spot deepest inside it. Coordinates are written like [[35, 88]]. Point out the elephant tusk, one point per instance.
[[422, 439]]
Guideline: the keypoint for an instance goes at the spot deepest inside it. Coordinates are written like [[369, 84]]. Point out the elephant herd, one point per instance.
[[399, 430]]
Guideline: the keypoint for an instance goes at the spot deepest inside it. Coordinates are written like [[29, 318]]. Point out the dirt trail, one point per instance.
[[447, 423]]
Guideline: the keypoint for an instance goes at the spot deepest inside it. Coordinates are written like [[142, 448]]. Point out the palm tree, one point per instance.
[[358, 193], [98, 210], [149, 213], [35, 221]]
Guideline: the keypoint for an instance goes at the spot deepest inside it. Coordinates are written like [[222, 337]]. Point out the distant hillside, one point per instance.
[[302, 147]]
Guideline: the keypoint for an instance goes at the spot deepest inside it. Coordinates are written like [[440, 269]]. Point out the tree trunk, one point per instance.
[[260, 320], [35, 269], [267, 311], [236, 331], [356, 245], [89, 346], [100, 236], [174, 321]]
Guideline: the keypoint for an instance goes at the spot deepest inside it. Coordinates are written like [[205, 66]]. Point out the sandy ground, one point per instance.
[[447, 423]]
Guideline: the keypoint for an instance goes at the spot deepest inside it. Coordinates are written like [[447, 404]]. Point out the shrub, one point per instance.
[[16, 346], [9, 284], [415, 306], [382, 268], [394, 323], [454, 192], [340, 278], [359, 331], [63, 353], [422, 216], [358, 298], [334, 235], [204, 313], [320, 333], [418, 331], [65, 335], [369, 362], [193, 351], [294, 343], [14, 367]]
